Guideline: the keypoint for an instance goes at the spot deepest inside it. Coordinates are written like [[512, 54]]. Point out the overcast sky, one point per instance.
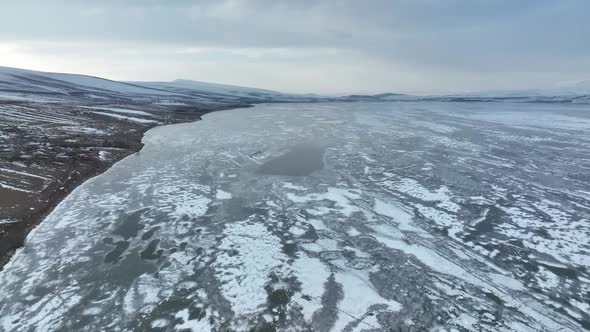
[[329, 46]]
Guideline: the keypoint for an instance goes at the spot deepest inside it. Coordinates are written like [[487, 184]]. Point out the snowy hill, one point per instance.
[[570, 92], [214, 88], [28, 84], [246, 94], [15, 80]]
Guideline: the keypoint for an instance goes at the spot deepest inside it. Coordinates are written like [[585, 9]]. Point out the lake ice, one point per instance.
[[324, 217]]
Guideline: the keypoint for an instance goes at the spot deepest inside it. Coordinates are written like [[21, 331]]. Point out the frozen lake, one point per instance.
[[324, 217]]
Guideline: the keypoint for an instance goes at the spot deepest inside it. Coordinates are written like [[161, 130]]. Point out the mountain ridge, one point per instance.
[[25, 81]]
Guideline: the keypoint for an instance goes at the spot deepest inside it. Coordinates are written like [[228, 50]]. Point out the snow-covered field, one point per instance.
[[419, 216]]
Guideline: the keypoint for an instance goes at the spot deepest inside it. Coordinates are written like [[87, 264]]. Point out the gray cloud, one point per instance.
[[428, 40]]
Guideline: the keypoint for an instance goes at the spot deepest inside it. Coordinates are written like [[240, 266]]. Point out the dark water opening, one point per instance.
[[301, 160]]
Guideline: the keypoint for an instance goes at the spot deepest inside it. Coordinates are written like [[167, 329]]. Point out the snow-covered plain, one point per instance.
[[454, 216]]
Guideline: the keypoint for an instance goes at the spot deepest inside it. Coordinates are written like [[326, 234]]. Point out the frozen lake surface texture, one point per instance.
[[324, 217]]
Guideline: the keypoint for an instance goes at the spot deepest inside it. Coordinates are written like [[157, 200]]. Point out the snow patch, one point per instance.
[[249, 254], [128, 118], [220, 194], [401, 215]]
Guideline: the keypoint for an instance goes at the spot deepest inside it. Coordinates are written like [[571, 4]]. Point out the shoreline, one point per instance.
[[13, 235]]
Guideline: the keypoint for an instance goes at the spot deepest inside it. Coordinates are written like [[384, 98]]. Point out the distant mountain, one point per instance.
[[575, 88], [582, 99], [13, 80], [379, 97], [197, 88], [25, 84], [576, 92], [204, 87]]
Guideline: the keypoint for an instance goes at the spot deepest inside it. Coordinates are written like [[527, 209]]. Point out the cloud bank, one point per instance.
[[332, 47]]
